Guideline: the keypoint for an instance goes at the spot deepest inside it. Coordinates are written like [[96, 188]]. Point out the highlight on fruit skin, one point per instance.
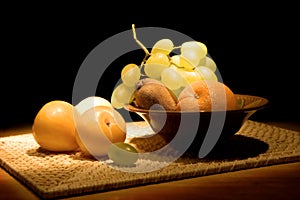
[[54, 128], [90, 102]]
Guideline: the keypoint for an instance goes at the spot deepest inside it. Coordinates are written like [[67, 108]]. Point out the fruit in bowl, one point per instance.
[[180, 94], [204, 109], [207, 96], [165, 68]]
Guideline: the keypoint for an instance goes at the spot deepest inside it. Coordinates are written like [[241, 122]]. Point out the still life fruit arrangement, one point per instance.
[[163, 81], [185, 81]]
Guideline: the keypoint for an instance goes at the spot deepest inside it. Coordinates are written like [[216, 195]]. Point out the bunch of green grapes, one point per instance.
[[174, 71], [179, 70]]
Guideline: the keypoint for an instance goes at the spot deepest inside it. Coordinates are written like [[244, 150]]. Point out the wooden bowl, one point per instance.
[[193, 127]]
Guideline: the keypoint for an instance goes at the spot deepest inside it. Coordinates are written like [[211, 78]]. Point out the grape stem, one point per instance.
[[178, 47], [140, 44], [172, 63]]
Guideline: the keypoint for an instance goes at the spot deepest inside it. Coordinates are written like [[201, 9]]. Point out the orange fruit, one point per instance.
[[54, 127], [207, 95]]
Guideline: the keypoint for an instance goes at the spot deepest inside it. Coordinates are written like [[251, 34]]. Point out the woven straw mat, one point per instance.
[[52, 175]]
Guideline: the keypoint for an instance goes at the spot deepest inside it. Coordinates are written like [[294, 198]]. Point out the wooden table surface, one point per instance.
[[272, 182]]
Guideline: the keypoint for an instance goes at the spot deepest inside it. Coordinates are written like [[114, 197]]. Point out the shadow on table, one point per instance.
[[238, 147]]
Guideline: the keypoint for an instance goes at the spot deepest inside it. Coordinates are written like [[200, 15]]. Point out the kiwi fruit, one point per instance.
[[151, 93]]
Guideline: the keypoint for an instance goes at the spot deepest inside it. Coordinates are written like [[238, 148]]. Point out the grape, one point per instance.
[[192, 57], [171, 78], [210, 63], [181, 62], [114, 101], [164, 46], [154, 70], [155, 64], [192, 53], [123, 153], [122, 95], [206, 73], [130, 75], [198, 47], [158, 58], [185, 63], [178, 91], [202, 61], [189, 76], [176, 60]]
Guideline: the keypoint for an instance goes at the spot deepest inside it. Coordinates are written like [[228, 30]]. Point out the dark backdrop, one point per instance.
[[255, 48]]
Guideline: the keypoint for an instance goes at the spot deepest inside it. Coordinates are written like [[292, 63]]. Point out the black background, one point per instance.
[[255, 47]]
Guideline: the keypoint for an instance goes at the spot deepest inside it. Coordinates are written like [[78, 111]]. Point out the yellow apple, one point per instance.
[[97, 128]]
